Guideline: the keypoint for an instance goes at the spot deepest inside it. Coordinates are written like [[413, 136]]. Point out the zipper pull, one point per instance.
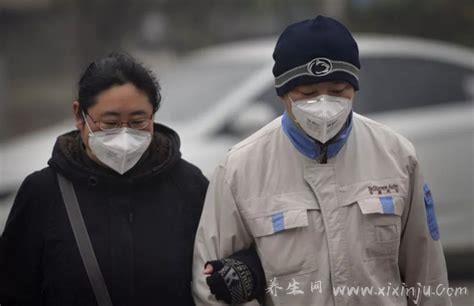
[[130, 217], [324, 158]]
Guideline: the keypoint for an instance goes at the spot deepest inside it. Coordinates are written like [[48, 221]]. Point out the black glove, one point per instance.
[[231, 281], [237, 279]]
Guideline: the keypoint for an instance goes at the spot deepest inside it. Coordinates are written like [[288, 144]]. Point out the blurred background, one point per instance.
[[213, 60]]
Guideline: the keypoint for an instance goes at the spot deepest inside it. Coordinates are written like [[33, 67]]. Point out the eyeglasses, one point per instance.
[[111, 125]]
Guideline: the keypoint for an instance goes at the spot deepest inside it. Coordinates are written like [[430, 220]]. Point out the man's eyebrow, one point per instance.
[[307, 88]]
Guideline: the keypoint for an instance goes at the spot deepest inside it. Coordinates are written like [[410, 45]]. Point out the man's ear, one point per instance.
[[286, 102], [78, 118]]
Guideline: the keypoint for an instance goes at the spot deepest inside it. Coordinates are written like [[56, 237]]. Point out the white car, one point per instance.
[[218, 96]]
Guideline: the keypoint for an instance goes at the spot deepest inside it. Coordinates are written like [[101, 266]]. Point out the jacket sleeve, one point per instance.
[[20, 250], [221, 232], [421, 259]]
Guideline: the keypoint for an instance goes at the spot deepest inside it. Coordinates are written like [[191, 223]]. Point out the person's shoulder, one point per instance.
[[385, 134], [187, 172], [35, 189], [190, 184], [252, 152], [186, 167], [41, 180], [384, 137], [256, 140]]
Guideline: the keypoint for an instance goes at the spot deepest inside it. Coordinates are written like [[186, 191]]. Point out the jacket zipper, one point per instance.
[[132, 259], [324, 158]]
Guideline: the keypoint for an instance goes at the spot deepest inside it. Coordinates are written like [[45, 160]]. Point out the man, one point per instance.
[[331, 199]]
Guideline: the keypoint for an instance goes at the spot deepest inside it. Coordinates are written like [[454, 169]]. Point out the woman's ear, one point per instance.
[[78, 118]]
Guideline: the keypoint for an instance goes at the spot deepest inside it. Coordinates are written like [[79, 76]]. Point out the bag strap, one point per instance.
[[83, 242]]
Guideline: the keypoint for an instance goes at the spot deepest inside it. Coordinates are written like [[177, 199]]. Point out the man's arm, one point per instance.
[[421, 257], [221, 232]]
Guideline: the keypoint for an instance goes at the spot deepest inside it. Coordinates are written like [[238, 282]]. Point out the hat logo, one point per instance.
[[319, 66]]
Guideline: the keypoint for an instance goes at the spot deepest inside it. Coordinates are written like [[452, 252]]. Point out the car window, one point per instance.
[[193, 87], [260, 111], [402, 83], [270, 98]]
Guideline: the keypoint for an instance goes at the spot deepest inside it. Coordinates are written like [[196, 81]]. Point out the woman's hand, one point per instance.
[[208, 269]]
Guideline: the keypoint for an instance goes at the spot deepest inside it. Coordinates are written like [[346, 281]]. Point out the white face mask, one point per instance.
[[321, 117], [119, 149]]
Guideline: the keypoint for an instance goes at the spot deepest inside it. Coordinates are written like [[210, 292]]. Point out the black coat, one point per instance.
[[142, 226]]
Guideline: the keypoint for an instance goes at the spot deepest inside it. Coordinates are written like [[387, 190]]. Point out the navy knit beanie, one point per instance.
[[314, 51]]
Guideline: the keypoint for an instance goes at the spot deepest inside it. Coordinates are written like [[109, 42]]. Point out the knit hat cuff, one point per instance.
[[316, 71]]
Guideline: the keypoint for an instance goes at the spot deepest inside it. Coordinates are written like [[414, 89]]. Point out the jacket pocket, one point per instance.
[[284, 241], [381, 221]]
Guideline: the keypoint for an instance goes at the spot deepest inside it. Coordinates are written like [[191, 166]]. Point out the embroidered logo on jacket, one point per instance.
[[383, 189]]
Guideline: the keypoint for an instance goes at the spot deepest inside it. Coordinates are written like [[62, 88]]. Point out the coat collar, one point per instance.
[[312, 148]]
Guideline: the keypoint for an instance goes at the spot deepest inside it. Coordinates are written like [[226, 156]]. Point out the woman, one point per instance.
[[140, 202]]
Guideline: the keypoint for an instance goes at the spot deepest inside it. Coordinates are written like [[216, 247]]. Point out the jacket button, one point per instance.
[[93, 181]]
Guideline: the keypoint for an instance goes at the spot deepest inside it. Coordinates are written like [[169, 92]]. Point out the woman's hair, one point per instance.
[[117, 69]]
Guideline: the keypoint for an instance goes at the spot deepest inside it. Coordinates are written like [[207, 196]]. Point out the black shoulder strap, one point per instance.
[[83, 242]]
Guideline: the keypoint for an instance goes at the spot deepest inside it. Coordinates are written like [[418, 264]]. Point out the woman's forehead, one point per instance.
[[120, 100]]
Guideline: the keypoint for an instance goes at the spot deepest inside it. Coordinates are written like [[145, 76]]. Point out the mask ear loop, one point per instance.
[[289, 97], [293, 118], [85, 120]]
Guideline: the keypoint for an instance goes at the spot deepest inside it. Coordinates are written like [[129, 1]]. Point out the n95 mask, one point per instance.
[[321, 117], [119, 149]]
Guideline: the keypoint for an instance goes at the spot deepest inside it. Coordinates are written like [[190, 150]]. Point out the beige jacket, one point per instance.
[[320, 229]]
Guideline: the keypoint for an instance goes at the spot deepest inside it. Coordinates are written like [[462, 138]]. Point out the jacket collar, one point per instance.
[[311, 148]]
